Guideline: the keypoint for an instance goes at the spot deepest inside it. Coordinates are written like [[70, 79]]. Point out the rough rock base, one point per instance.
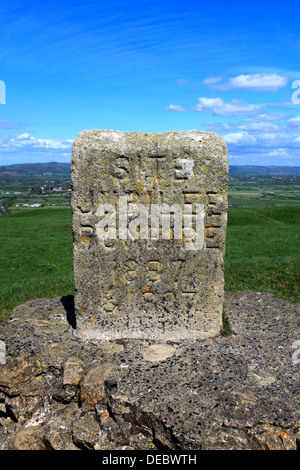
[[227, 392]]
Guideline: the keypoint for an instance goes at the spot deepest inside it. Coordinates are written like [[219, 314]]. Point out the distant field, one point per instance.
[[54, 190], [263, 190], [262, 253]]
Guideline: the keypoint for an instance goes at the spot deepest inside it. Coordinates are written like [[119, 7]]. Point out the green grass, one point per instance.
[[36, 256], [262, 253]]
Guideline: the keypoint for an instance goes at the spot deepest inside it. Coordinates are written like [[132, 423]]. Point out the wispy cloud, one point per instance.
[[255, 124], [271, 148], [239, 138], [5, 124], [259, 82], [275, 140], [252, 82], [177, 108], [218, 107], [32, 149], [294, 122], [212, 81], [25, 140]]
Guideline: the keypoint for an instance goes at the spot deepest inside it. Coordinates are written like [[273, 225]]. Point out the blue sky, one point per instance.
[[152, 66]]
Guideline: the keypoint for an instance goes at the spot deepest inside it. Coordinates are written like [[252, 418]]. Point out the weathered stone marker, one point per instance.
[[149, 226]]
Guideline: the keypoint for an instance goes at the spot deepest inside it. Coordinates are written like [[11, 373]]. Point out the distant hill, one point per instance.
[[263, 170], [64, 169], [36, 169]]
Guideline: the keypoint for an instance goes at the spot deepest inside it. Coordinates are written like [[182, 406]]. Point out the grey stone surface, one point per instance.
[[58, 391], [138, 286]]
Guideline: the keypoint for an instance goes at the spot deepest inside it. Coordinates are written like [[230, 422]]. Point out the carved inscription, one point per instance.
[[120, 167], [184, 168]]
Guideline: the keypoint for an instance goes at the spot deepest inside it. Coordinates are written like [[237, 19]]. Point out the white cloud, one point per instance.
[[23, 136], [219, 108], [295, 122], [250, 82], [177, 108], [259, 82], [270, 148], [257, 124], [271, 117], [260, 126], [253, 125], [279, 153], [260, 141], [28, 149], [20, 146], [239, 138], [25, 140]]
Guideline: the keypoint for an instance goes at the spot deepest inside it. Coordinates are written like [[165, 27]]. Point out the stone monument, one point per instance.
[[149, 225]]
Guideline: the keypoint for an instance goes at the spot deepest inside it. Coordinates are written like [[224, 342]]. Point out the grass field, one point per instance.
[[262, 253], [36, 256], [263, 250]]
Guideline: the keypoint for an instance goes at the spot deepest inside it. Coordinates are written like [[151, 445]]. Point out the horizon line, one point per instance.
[[69, 163]]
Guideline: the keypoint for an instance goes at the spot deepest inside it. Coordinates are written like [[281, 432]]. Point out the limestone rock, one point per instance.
[[85, 431], [29, 438], [73, 373], [92, 390], [158, 352], [225, 392]]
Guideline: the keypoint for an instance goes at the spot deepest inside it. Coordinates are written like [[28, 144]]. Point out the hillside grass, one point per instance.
[[262, 253], [36, 256]]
